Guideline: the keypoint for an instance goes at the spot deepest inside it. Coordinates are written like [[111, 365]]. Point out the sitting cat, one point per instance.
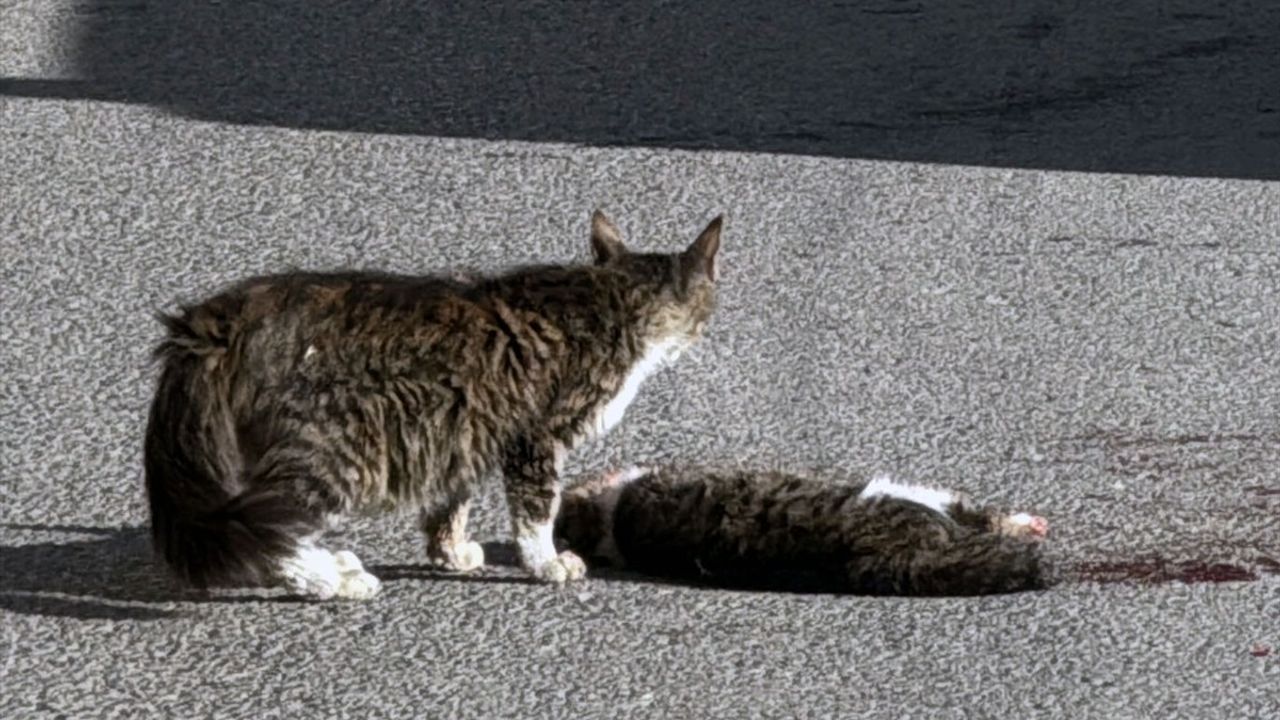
[[288, 401], [771, 530]]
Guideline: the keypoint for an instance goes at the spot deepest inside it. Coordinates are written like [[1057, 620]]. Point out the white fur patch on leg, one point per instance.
[[538, 555], [311, 572], [461, 557], [356, 582], [317, 573], [359, 585], [538, 547], [932, 498]]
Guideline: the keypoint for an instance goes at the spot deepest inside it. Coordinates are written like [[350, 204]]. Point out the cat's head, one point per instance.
[[581, 523], [676, 291], [584, 522]]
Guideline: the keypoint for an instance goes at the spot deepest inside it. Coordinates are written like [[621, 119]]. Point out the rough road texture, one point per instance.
[[914, 282]]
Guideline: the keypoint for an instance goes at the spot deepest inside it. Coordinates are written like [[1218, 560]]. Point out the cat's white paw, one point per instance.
[[355, 583], [460, 557], [358, 585], [347, 561], [311, 572], [561, 569], [1027, 524]]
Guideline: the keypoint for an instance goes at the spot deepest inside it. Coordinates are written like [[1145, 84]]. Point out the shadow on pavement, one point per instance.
[[1189, 87], [107, 575], [110, 574]]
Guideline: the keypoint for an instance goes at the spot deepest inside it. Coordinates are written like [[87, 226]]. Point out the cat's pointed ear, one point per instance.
[[700, 257], [606, 240]]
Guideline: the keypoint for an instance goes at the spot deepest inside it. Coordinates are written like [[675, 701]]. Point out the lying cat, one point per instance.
[[289, 401], [771, 530]]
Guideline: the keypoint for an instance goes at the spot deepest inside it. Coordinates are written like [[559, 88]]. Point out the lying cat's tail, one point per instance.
[[205, 529], [977, 564]]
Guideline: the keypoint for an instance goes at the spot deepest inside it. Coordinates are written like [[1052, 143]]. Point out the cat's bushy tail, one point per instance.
[[977, 564], [205, 530]]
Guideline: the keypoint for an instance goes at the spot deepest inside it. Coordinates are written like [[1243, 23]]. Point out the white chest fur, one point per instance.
[[655, 356]]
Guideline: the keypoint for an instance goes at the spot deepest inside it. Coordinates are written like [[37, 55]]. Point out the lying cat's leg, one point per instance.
[[996, 520], [533, 495], [1023, 525], [973, 564], [445, 527]]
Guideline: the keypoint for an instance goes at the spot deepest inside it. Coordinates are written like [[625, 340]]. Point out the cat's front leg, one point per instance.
[[444, 525], [532, 474]]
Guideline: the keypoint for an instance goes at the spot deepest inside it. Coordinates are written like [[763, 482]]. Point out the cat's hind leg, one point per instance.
[[445, 527], [357, 583], [972, 564], [317, 485], [1023, 525], [317, 573], [991, 519]]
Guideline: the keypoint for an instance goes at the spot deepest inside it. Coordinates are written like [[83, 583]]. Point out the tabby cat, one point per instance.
[[289, 401], [773, 530]]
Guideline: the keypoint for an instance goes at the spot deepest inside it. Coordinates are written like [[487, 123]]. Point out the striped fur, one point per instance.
[[288, 400], [771, 530]]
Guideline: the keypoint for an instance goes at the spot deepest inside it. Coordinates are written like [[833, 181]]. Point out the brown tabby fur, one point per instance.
[[288, 400], [773, 530]]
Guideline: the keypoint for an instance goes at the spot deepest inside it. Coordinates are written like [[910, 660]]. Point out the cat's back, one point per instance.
[[256, 300], [271, 311]]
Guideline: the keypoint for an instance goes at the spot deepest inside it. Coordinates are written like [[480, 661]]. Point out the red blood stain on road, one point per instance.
[[1269, 565], [1157, 571]]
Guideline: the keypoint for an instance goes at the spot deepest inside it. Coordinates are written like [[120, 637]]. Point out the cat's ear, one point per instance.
[[700, 257], [606, 240]]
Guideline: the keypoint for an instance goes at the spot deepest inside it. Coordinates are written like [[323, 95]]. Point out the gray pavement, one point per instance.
[[911, 284]]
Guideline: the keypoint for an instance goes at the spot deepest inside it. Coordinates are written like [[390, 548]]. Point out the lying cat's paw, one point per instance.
[[1025, 525], [562, 568], [459, 557]]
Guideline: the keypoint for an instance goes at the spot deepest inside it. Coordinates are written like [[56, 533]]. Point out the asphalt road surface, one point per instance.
[[1029, 252]]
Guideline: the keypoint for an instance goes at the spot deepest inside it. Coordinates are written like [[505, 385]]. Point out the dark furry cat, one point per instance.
[[288, 401], [772, 530]]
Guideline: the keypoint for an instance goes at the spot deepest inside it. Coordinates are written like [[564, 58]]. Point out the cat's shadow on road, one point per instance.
[[101, 573], [96, 573]]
